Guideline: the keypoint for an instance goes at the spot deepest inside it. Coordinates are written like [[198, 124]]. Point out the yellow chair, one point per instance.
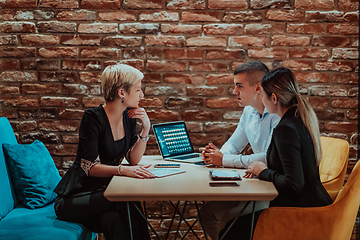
[[334, 163], [333, 222]]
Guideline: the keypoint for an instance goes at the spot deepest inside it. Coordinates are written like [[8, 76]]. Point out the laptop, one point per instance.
[[174, 142]]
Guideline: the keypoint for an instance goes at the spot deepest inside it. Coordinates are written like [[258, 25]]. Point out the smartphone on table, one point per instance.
[[167, 165]]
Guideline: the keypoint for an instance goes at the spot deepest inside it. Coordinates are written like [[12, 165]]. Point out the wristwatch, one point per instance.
[[144, 138]]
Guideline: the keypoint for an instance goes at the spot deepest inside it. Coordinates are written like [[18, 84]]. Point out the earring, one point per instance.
[[122, 100]]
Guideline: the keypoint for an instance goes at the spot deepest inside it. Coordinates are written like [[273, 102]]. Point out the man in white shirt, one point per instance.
[[255, 127]]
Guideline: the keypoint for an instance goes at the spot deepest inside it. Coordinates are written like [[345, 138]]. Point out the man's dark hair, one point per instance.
[[251, 67]]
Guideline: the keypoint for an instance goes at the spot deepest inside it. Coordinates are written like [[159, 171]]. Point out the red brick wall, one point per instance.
[[52, 52]]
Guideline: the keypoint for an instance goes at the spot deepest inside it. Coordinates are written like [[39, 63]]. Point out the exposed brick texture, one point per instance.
[[52, 53]]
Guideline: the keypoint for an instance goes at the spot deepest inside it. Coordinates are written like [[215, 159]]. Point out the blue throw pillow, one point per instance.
[[33, 173]]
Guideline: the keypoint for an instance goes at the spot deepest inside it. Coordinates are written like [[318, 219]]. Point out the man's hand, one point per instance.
[[212, 155]]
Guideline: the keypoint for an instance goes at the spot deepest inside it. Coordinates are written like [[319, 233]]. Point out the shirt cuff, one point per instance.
[[231, 160]]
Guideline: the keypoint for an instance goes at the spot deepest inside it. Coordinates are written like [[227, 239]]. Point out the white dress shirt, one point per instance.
[[251, 129]]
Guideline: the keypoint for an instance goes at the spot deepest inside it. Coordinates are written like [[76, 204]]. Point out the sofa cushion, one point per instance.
[[7, 196], [40, 224], [33, 173]]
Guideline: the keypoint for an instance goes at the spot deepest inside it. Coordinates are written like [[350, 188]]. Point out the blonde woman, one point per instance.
[[294, 154], [107, 134]]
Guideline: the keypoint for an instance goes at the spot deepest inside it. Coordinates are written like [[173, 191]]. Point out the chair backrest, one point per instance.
[[7, 196], [334, 162]]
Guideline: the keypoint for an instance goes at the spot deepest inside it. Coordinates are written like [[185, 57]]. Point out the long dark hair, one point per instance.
[[283, 84]]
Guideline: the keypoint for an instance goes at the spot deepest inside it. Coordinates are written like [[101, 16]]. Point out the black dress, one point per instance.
[[80, 197]]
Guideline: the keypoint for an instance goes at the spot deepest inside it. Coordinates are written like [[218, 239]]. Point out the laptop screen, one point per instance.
[[173, 138]]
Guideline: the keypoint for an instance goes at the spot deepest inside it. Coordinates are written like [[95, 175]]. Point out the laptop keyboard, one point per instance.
[[188, 156]]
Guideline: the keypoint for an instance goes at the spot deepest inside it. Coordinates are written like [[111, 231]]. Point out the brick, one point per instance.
[[247, 41], [42, 113], [99, 4], [344, 103], [183, 78], [70, 138], [122, 41], [163, 90], [232, 115], [167, 66], [80, 40], [319, 102], [342, 28], [59, 4], [40, 64], [330, 115], [200, 115], [223, 29], [159, 114], [264, 28], [201, 16], [17, 76], [9, 40], [341, 126], [117, 16], [7, 15], [71, 114], [98, 28], [59, 102], [219, 127], [324, 16], [222, 103], [81, 65], [204, 91], [163, 16], [345, 53], [19, 101], [285, 15], [182, 29], [226, 54], [137, 63], [57, 76], [96, 52], [58, 52], [353, 92], [214, 79], [170, 41], [18, 4], [277, 53], [297, 65], [208, 66], [9, 90], [59, 125], [43, 14], [40, 88], [227, 4], [308, 53], [326, 90], [24, 15], [17, 27], [62, 149], [151, 103], [56, 27], [314, 4], [314, 77], [152, 78], [330, 41], [39, 39], [17, 52], [206, 42], [352, 114], [147, 53], [306, 28], [80, 89], [185, 4], [90, 77], [348, 5], [139, 28], [283, 40], [345, 78], [46, 138], [91, 102], [140, 4], [183, 103], [9, 64], [78, 15], [23, 126], [334, 66], [183, 53], [243, 16], [351, 17], [261, 4], [204, 139]]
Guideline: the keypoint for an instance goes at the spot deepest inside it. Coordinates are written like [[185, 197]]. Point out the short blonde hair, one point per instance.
[[118, 76]]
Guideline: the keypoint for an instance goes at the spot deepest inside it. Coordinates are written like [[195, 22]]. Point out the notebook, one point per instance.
[[174, 142]]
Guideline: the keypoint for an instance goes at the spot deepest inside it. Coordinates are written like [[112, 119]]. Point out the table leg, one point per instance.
[[233, 222], [130, 226], [201, 223], [172, 219], [252, 220], [142, 215], [181, 218]]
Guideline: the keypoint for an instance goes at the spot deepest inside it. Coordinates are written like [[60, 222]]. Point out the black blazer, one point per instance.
[[292, 165], [96, 142]]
